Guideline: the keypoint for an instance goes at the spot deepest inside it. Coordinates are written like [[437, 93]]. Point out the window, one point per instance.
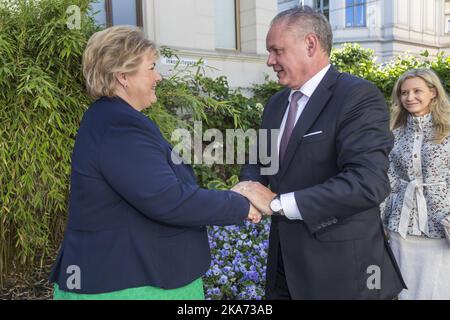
[[324, 7], [355, 13], [116, 12], [447, 16], [284, 5], [225, 24]]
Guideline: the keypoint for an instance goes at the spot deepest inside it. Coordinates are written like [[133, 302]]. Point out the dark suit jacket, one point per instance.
[[135, 218], [339, 178]]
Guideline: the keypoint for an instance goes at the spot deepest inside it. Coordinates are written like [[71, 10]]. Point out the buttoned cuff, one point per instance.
[[289, 206]]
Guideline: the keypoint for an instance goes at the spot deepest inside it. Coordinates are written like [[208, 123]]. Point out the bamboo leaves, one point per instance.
[[42, 100]]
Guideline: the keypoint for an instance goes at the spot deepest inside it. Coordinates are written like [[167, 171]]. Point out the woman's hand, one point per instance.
[[254, 215]]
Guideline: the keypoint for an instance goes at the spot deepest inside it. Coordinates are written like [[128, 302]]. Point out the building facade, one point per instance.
[[389, 27], [230, 34]]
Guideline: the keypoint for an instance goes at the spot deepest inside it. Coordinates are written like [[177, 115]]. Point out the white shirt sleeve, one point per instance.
[[289, 206]]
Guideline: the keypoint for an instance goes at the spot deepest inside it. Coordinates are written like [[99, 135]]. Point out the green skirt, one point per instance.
[[193, 291]]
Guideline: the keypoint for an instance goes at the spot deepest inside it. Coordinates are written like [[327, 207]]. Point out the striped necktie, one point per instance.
[[290, 123]]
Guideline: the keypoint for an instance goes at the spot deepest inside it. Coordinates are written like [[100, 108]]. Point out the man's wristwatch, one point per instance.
[[275, 206]]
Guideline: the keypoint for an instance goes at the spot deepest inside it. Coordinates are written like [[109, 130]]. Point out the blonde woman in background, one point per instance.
[[419, 173]]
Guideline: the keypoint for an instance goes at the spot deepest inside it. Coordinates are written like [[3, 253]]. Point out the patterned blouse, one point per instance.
[[419, 173]]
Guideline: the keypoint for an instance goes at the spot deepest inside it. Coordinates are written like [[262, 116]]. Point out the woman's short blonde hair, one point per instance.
[[439, 106], [117, 49]]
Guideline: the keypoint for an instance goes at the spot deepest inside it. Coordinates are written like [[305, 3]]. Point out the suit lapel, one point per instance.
[[312, 110], [279, 106], [275, 117]]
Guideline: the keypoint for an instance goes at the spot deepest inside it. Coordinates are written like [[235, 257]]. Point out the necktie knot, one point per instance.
[[297, 95]]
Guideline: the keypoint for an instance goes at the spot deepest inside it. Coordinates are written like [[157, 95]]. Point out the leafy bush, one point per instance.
[[352, 58], [262, 92], [188, 95], [41, 102]]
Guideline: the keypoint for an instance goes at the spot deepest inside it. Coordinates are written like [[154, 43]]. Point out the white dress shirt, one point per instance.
[[288, 202]]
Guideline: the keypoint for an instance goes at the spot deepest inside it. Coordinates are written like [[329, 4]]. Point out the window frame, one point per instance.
[[237, 28], [321, 6], [354, 13], [447, 17], [237, 23], [288, 4], [109, 13]]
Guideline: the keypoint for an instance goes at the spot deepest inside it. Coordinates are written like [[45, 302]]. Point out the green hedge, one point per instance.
[[41, 102], [352, 58], [42, 99]]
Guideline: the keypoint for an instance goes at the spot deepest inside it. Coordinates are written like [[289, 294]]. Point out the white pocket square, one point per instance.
[[312, 134]]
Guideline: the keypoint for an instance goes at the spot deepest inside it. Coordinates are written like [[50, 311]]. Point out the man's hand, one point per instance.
[[258, 195]]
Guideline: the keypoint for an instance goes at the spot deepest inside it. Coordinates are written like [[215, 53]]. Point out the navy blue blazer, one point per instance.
[[135, 217]]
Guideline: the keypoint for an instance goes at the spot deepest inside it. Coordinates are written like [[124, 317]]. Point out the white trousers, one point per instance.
[[425, 266]]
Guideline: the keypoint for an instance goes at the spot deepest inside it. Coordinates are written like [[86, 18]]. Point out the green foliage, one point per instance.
[[41, 102], [352, 58], [442, 67], [188, 95], [262, 92]]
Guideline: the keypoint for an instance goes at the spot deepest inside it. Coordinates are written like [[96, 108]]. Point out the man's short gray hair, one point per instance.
[[304, 20]]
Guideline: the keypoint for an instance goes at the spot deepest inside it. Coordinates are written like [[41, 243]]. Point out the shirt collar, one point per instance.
[[311, 85], [421, 122]]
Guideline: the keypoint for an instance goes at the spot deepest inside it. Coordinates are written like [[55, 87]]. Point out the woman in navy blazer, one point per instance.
[[137, 221]]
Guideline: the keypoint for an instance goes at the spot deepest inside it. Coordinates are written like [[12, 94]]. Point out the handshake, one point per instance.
[[259, 197]]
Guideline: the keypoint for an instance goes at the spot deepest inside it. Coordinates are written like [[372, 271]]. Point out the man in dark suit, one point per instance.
[[326, 238]]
